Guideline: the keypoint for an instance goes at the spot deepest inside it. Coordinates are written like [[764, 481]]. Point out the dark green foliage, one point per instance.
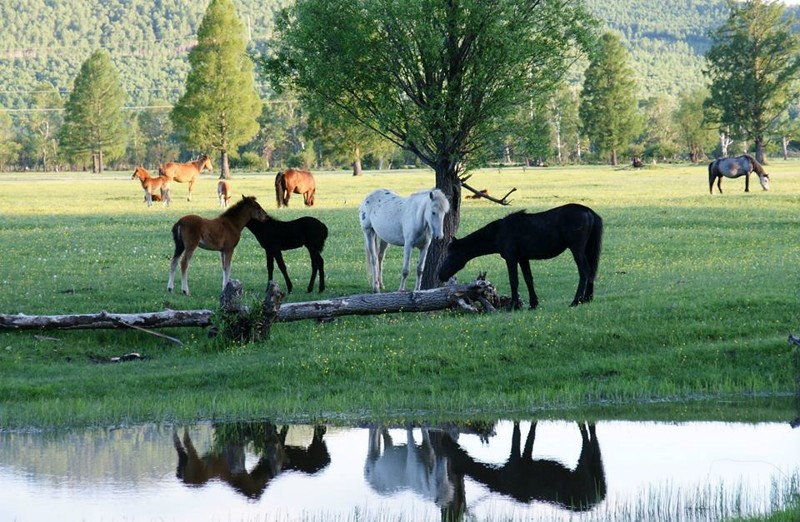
[[753, 65], [93, 120], [608, 100], [219, 108]]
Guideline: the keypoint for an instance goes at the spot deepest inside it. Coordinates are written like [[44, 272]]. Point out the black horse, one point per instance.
[[275, 236], [520, 237]]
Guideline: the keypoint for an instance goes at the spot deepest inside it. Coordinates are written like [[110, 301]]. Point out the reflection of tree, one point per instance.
[[527, 479], [225, 460]]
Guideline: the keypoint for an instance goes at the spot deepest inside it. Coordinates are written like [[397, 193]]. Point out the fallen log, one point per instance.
[[476, 296]]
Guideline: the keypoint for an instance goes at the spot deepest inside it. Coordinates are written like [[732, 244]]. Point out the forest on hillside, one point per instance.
[[47, 40]]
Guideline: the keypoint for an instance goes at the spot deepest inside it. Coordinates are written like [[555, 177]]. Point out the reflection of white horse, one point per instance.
[[408, 466], [389, 219]]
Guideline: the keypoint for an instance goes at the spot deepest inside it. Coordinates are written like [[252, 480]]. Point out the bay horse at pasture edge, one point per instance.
[[186, 172], [274, 236], [742, 165], [294, 181], [221, 234], [520, 237]]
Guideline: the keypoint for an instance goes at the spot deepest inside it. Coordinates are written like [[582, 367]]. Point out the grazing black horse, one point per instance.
[[520, 237], [742, 165], [275, 236]]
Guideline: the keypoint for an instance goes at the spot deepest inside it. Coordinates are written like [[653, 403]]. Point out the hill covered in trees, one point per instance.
[[47, 40]]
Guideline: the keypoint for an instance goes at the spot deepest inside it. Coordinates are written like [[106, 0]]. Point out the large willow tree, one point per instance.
[[220, 107], [434, 77]]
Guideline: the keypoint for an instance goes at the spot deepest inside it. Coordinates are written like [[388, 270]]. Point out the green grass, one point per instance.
[[695, 298]]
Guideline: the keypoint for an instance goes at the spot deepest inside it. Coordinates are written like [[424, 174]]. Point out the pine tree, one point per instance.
[[608, 100], [753, 64], [93, 119], [220, 107]]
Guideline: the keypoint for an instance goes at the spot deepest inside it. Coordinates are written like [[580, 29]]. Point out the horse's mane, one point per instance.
[[236, 208], [438, 196], [756, 165]]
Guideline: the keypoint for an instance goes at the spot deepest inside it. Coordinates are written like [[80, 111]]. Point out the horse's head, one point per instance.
[[764, 179], [454, 261], [438, 207], [205, 162], [255, 210], [140, 173]]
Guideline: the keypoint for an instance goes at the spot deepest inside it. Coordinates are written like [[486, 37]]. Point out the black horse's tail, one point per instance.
[[711, 175], [594, 245], [280, 189], [178, 239]]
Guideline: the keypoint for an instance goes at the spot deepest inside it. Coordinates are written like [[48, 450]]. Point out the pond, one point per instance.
[[527, 470]]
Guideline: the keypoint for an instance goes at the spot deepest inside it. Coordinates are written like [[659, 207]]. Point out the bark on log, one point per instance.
[[479, 295]]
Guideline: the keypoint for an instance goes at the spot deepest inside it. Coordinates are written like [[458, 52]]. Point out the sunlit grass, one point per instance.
[[695, 297]]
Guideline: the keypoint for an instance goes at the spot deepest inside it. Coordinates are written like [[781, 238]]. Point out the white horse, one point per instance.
[[418, 468], [389, 219]]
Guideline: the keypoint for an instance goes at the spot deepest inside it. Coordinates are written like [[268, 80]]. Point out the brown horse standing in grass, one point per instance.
[[185, 172], [221, 234], [151, 185], [224, 192], [294, 181]]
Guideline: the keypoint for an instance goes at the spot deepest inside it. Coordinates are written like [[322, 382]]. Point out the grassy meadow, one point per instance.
[[695, 298]]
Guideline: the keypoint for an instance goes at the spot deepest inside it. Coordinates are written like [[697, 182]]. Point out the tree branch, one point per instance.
[[502, 201]]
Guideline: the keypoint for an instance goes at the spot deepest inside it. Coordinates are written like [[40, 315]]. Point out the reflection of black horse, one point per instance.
[[226, 460], [527, 479]]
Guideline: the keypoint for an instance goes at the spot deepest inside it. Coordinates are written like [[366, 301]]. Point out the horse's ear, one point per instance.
[[430, 195]]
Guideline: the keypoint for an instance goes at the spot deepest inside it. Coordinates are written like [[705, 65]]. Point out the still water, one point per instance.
[[547, 470]]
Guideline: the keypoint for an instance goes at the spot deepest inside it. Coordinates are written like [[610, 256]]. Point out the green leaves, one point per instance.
[[93, 119]]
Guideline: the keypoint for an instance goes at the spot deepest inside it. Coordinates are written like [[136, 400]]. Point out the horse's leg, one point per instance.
[[191, 187], [747, 182], [227, 256], [381, 248], [270, 265], [584, 273], [187, 256], [406, 261], [525, 265], [513, 280], [317, 264], [719, 184], [423, 255], [179, 249], [148, 197], [282, 267]]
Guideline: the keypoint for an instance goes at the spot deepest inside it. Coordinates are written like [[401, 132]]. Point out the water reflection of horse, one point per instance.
[[422, 469], [412, 222], [225, 461], [294, 181], [152, 184], [527, 479], [743, 165], [185, 172]]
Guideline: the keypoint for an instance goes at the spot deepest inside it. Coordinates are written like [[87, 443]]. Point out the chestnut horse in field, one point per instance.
[[294, 181], [185, 172], [151, 185], [221, 234], [224, 192]]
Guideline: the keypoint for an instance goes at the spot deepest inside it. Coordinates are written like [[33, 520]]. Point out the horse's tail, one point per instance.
[[177, 237], [594, 245], [280, 189], [711, 175]]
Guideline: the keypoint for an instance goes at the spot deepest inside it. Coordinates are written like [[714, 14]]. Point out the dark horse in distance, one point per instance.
[[743, 165], [520, 237], [274, 236]]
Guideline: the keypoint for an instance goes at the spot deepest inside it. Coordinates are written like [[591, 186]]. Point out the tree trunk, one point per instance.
[[614, 157], [446, 181], [761, 148], [785, 143], [357, 168], [463, 296], [226, 169]]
